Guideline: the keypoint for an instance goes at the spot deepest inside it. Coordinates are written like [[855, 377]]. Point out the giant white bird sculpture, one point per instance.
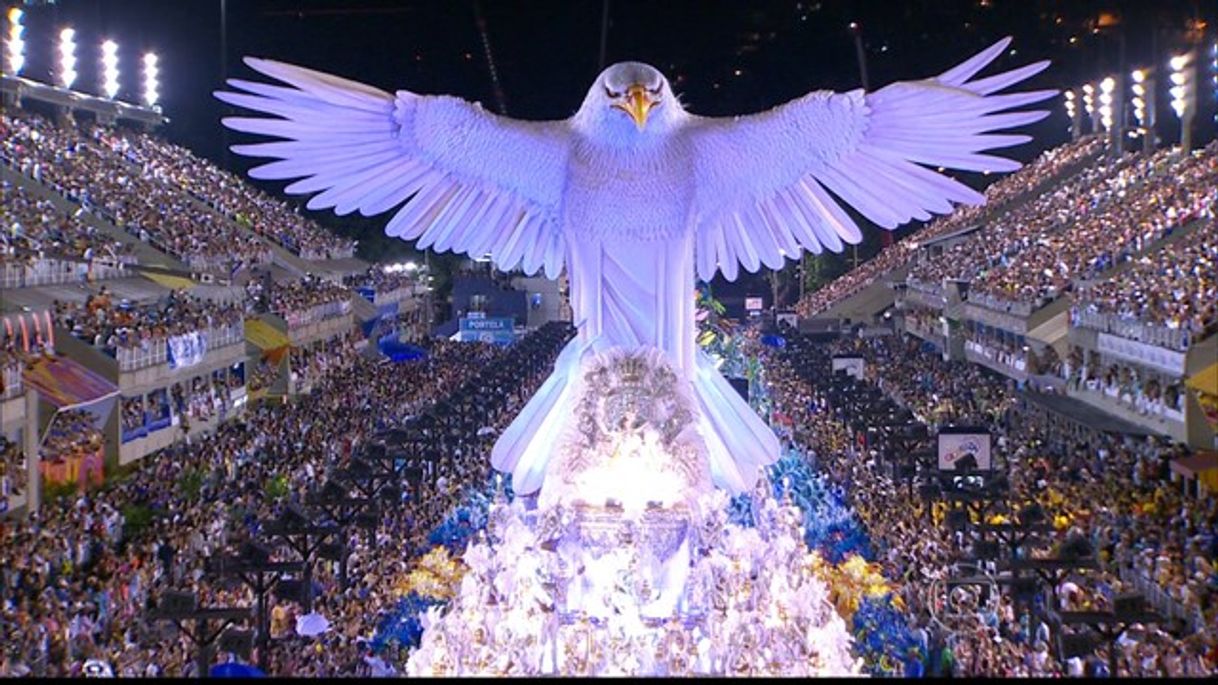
[[636, 197]]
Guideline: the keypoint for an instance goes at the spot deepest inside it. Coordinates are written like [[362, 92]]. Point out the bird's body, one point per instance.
[[636, 198]]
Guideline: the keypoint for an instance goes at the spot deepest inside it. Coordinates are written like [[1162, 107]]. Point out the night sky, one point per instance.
[[723, 57]]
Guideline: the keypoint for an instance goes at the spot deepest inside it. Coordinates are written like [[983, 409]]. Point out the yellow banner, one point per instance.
[[173, 282], [264, 335]]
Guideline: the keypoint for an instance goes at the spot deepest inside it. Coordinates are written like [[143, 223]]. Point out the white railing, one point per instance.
[[933, 290], [157, 352], [1007, 358], [1157, 597], [315, 255], [58, 272], [924, 329], [329, 310], [225, 336], [222, 263], [13, 385], [1150, 333], [1023, 309], [396, 295], [1134, 400], [140, 357]]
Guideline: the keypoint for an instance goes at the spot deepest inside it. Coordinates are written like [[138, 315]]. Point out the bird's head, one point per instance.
[[631, 97]]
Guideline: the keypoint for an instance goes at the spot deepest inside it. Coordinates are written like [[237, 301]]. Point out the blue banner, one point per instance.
[[498, 330]]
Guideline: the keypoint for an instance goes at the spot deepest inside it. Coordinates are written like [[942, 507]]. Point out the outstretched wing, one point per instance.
[[480, 183], [763, 181]]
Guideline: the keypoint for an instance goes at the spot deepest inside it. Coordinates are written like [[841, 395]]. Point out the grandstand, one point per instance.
[[139, 276]]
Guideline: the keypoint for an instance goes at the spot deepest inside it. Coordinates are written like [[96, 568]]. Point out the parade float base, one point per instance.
[[664, 591]]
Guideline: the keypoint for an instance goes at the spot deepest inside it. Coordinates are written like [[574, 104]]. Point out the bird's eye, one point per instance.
[[654, 91], [610, 93]]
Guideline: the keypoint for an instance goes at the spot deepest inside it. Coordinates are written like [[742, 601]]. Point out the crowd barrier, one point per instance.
[[1177, 339], [135, 358], [58, 272], [329, 310]]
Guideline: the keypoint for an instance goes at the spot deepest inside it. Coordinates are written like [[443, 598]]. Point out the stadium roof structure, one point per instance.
[[103, 108], [67, 384]]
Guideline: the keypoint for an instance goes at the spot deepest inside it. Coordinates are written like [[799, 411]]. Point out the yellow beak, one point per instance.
[[638, 105]]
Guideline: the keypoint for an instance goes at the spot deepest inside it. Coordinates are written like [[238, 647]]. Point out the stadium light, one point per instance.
[[1070, 109], [109, 61], [67, 57], [1214, 76], [151, 84], [1138, 76], [14, 44], [1182, 93], [1088, 100], [1107, 86], [1139, 93]]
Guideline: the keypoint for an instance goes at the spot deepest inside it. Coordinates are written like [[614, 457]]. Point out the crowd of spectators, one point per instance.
[[1166, 197], [111, 326], [77, 578], [12, 467], [34, 229], [1148, 392], [82, 164], [202, 398], [310, 363], [382, 281], [1174, 288], [1112, 490], [308, 299], [72, 434], [1050, 165], [233, 197], [1021, 227]]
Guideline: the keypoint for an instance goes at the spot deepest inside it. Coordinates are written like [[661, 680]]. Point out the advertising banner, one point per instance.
[[964, 448], [498, 330], [853, 366], [187, 350]]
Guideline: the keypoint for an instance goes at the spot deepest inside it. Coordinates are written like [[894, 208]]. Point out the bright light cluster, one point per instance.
[[398, 268], [1070, 106], [1088, 98], [1182, 92], [67, 57], [1214, 74], [151, 84], [1107, 86], [109, 61], [15, 44], [1139, 95]]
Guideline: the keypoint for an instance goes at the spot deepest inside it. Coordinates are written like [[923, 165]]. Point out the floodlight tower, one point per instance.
[[1107, 119], [1214, 82], [151, 80], [67, 57], [1144, 105], [14, 52], [1072, 111], [1184, 94], [1089, 106], [14, 44], [109, 70]]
